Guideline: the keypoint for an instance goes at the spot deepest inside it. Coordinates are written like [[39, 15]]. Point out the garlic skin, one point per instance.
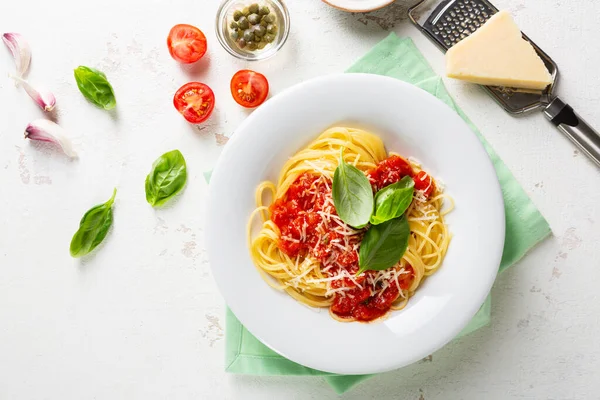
[[42, 96], [21, 51], [47, 131]]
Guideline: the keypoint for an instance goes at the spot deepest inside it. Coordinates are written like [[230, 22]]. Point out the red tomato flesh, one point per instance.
[[388, 172], [423, 181], [187, 44], [195, 101], [249, 89]]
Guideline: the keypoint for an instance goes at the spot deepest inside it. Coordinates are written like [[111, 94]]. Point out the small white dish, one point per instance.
[[410, 122], [358, 5]]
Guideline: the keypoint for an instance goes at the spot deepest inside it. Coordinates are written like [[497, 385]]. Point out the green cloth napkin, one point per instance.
[[525, 226]]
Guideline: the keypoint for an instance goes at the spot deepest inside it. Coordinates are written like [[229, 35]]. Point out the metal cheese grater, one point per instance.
[[446, 22]]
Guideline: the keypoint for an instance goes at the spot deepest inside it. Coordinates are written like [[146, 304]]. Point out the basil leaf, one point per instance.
[[167, 178], [384, 245], [393, 200], [352, 194], [95, 87], [93, 228]]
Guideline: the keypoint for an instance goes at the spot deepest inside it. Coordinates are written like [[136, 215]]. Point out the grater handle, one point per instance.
[[575, 128]]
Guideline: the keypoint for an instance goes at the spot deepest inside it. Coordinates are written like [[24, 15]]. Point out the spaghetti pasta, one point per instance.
[[306, 250]]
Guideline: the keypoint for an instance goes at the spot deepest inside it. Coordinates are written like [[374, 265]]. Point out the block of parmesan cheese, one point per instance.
[[497, 55]]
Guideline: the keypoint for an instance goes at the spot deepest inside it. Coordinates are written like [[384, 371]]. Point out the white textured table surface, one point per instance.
[[142, 318]]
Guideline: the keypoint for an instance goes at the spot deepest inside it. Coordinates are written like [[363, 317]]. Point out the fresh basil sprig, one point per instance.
[[167, 178], [93, 228], [95, 87], [383, 245], [386, 240], [352, 194], [393, 200]]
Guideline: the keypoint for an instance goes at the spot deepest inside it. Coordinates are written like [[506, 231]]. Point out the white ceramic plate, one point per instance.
[[358, 5], [412, 123]]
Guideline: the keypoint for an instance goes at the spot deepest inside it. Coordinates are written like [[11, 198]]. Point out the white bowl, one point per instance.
[[412, 123], [358, 5]]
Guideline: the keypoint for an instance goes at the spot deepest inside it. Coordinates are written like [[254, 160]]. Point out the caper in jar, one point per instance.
[[252, 46], [270, 18], [243, 23], [248, 35], [235, 34], [271, 28], [237, 14], [241, 43], [261, 45], [263, 22], [233, 25], [268, 38], [264, 10], [254, 19], [246, 11], [253, 8], [260, 31]]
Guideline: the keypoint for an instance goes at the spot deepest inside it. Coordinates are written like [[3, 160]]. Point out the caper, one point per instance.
[[272, 28], [263, 23], [246, 11], [253, 8], [261, 45], [243, 23], [248, 36], [233, 25], [241, 43], [237, 14], [269, 38], [270, 18], [235, 34], [264, 10], [260, 31], [254, 19], [252, 46]]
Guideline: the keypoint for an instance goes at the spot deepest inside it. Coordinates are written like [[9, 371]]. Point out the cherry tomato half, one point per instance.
[[187, 44], [195, 101], [249, 89]]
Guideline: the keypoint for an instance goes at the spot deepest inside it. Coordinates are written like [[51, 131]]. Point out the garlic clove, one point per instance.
[[42, 96], [21, 51], [47, 131]]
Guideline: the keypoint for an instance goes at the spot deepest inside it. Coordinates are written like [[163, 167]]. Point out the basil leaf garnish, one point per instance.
[[384, 245], [393, 200], [95, 87], [352, 194], [167, 178], [93, 228]]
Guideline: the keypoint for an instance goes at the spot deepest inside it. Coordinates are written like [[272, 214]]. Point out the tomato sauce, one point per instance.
[[424, 182], [300, 216], [389, 171], [362, 305]]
